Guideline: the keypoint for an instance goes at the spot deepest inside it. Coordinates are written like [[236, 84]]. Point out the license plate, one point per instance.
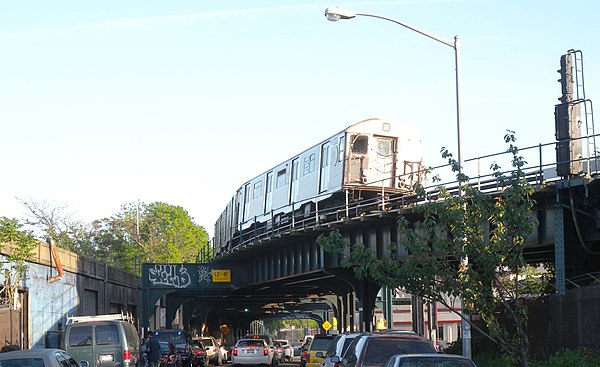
[[106, 358]]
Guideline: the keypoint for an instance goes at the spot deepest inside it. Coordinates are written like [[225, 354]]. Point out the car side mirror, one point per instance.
[[84, 364], [335, 359], [319, 354]]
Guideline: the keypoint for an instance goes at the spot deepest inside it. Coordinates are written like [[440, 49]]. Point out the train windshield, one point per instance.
[[360, 144]]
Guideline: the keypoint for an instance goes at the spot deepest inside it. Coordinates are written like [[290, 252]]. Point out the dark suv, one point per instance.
[[374, 349], [183, 344]]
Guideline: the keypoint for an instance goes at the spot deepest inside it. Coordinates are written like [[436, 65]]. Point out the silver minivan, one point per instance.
[[102, 341]]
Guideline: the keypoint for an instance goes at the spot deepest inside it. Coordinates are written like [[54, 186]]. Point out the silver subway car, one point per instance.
[[372, 157]]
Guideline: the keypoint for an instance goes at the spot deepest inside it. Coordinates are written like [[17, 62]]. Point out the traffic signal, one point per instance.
[[567, 123], [566, 78]]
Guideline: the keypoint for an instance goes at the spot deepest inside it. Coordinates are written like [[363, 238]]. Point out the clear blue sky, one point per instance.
[[103, 103]]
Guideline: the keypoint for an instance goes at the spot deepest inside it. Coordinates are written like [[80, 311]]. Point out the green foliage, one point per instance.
[[156, 232], [584, 357], [18, 245], [467, 247]]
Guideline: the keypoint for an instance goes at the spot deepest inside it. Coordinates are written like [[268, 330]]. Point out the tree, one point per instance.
[[155, 232], [17, 245], [139, 232], [488, 231]]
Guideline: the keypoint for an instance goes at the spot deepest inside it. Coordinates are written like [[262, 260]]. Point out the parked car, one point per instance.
[[338, 347], [253, 352], [429, 360], [200, 357], [288, 350], [169, 356], [224, 352], [375, 349], [213, 350], [279, 351], [102, 340], [297, 348], [183, 344], [317, 349], [37, 358]]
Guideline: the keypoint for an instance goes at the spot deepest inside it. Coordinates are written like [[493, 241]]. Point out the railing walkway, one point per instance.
[[539, 171]]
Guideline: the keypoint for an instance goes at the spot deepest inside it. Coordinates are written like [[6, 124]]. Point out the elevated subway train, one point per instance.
[[357, 163]]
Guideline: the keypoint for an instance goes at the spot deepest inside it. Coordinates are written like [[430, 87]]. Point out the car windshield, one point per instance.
[[379, 350], [197, 344], [208, 342], [435, 362], [164, 348], [173, 337]]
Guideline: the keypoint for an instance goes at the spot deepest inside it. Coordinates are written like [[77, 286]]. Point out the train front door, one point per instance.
[[383, 164]]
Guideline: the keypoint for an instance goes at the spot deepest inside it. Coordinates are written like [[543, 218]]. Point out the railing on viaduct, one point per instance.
[[539, 169]]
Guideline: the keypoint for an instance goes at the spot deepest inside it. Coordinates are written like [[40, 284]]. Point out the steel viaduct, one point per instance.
[[282, 272]]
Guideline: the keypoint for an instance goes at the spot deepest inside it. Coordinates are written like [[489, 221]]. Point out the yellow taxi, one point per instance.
[[317, 349]]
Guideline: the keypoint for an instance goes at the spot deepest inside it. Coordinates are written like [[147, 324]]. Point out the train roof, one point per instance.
[[394, 128]]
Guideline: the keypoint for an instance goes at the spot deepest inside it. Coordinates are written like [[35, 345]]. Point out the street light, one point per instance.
[[334, 14]]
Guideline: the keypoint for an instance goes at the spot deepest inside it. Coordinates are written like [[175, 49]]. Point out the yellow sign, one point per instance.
[[381, 324], [221, 275], [326, 325], [225, 329]]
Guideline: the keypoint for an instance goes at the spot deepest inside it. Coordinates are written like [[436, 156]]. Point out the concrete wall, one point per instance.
[[48, 303]]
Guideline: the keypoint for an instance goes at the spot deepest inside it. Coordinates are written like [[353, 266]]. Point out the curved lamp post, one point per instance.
[[334, 14]]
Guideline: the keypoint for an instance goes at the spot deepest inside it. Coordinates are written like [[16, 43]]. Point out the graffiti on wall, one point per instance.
[[169, 275], [204, 274]]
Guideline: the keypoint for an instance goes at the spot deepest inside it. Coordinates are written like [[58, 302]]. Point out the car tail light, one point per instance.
[[235, 351], [126, 356], [265, 351], [198, 352], [214, 350], [307, 357]]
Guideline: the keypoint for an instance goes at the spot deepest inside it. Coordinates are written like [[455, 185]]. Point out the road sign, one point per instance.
[[225, 329], [221, 275], [326, 325]]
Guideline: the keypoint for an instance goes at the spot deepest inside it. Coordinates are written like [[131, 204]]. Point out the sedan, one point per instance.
[[429, 360], [37, 358], [169, 356], [253, 352]]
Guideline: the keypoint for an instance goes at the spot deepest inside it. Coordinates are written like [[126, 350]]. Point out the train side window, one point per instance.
[[342, 148], [257, 190], [269, 182], [360, 144], [295, 164], [281, 178], [309, 164], [247, 193]]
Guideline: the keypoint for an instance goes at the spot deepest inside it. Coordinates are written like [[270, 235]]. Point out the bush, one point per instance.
[[584, 357]]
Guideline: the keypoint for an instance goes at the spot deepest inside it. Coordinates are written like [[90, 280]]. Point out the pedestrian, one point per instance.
[[144, 345], [153, 352]]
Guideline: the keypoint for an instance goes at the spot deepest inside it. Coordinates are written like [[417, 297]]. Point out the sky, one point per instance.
[[104, 103]]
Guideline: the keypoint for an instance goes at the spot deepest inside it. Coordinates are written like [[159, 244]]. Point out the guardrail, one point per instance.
[[539, 170]]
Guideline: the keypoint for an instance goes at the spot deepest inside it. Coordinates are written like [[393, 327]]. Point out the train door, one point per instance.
[[294, 180], [357, 158], [324, 174], [383, 164], [246, 203], [269, 192]]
